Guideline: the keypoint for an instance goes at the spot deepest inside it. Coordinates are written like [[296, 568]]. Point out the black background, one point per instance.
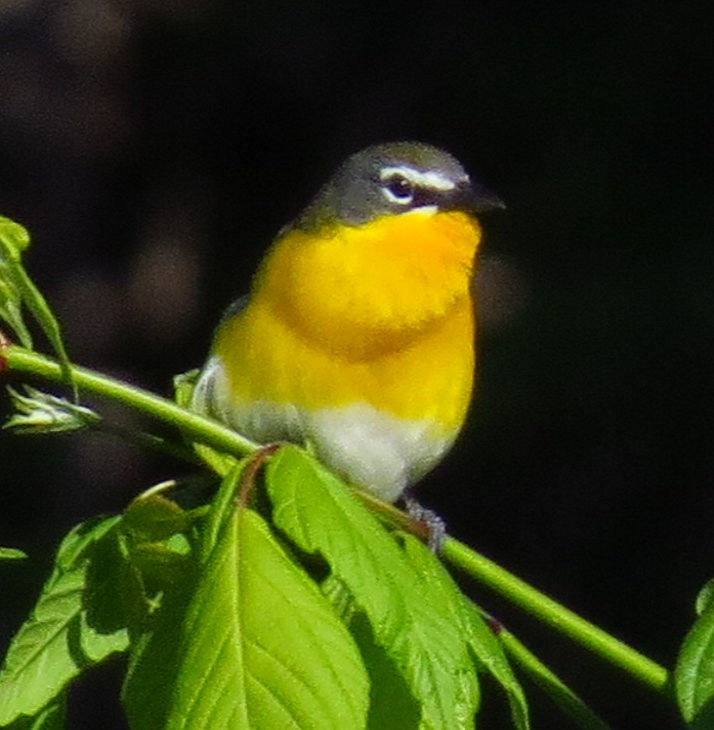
[[153, 149]]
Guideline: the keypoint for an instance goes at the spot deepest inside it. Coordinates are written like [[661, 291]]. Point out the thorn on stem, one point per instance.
[[494, 624]]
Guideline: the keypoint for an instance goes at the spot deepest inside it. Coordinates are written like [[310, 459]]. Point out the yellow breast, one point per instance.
[[378, 314]]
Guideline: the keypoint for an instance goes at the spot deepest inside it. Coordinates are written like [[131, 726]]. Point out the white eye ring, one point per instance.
[[398, 189]]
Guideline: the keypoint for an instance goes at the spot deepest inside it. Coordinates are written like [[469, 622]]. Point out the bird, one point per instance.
[[357, 336]]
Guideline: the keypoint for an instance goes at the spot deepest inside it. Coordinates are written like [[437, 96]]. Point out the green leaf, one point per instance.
[[159, 587], [59, 640], [11, 554], [442, 593], [156, 535], [152, 516], [262, 647], [705, 597], [18, 289], [184, 383], [551, 684], [392, 703], [51, 717], [320, 514], [80, 540], [154, 659], [694, 673], [14, 239]]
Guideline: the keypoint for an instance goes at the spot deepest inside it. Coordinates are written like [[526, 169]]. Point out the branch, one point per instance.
[[207, 431], [195, 427]]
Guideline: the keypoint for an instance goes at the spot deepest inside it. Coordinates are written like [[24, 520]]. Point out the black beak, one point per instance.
[[472, 197]]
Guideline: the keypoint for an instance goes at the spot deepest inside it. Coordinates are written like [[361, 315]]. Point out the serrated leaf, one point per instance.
[[12, 554], [262, 647], [58, 641], [694, 673], [490, 655], [444, 595], [320, 514]]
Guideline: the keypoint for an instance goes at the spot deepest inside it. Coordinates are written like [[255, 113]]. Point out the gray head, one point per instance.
[[393, 179]]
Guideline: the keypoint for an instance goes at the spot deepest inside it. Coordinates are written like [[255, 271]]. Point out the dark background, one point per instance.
[[154, 148]]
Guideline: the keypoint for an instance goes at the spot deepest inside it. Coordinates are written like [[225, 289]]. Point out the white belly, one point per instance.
[[366, 447]]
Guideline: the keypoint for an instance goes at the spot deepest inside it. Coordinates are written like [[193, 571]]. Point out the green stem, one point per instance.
[[206, 431], [194, 426], [554, 614], [529, 599]]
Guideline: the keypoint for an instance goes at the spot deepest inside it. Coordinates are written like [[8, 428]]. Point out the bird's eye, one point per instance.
[[399, 190]]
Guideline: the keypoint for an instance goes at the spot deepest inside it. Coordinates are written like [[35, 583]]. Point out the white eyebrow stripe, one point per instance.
[[430, 179]]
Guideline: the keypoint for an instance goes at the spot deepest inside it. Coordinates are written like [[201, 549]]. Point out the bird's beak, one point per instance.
[[472, 197]]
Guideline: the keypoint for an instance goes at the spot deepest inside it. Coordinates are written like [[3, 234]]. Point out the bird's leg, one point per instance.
[[433, 527]]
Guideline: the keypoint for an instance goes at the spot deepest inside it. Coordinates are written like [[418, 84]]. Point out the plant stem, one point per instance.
[[529, 599], [554, 614], [192, 425], [206, 431]]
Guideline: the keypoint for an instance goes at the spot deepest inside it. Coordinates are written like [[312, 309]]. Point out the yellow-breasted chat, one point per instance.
[[357, 336]]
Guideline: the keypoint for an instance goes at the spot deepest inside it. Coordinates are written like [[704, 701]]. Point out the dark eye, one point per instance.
[[399, 189]]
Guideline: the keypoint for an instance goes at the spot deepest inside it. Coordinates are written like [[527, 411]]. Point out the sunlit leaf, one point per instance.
[[58, 641], [262, 647], [11, 554], [320, 514], [442, 593], [705, 597], [14, 239], [694, 673], [51, 717]]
